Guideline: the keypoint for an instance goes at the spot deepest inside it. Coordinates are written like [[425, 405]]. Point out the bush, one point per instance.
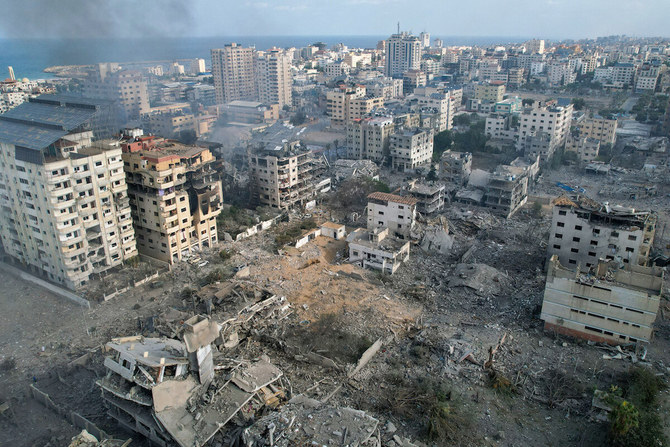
[[225, 255], [8, 364]]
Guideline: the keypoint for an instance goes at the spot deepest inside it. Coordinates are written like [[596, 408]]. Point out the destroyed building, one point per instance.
[[282, 175], [175, 194], [429, 197], [411, 149], [507, 190], [375, 249], [167, 390], [613, 305], [394, 212], [584, 231], [305, 421], [455, 167]]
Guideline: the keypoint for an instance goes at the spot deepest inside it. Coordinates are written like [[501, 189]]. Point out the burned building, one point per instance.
[[584, 231], [507, 190], [175, 195], [455, 167], [282, 176], [612, 305]]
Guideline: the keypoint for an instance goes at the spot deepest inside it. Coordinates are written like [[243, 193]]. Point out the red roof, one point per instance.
[[386, 197]]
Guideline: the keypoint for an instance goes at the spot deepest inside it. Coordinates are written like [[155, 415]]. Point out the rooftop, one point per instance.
[[386, 197]]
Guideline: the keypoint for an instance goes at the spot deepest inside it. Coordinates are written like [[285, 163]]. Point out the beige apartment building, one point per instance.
[[455, 167], [282, 178], [349, 103], [233, 73], [369, 138], [64, 209], [599, 128], [586, 148], [411, 149], [125, 87], [175, 195], [493, 91], [613, 305], [273, 77]]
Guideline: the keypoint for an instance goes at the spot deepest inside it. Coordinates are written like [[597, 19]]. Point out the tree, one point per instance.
[[442, 142], [527, 102], [299, 118], [578, 103], [432, 175], [462, 120]]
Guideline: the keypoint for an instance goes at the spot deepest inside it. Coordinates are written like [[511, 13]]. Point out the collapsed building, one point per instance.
[[455, 167], [613, 305], [584, 231], [167, 390]]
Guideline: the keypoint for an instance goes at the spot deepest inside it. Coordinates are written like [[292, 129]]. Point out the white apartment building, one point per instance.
[[273, 77], [336, 69], [391, 211], [403, 53], [599, 128], [440, 100], [583, 231], [369, 138], [65, 213], [411, 149], [346, 104], [233, 73], [125, 87], [560, 74], [623, 75], [552, 121], [534, 46], [586, 148]]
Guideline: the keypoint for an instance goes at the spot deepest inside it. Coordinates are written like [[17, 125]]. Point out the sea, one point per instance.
[[29, 57]]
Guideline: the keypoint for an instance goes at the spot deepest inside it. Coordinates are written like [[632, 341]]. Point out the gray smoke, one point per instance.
[[95, 18]]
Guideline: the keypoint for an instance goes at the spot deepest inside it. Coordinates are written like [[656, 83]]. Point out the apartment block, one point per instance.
[[507, 189], [493, 91], [612, 305], [534, 46], [369, 138], [412, 79], [346, 104], [442, 101], [411, 149], [64, 209], [429, 197], [273, 77], [403, 53], [282, 178], [376, 250], [127, 88], [387, 88], [234, 74], [599, 128], [583, 231], [554, 122], [391, 211], [455, 167], [251, 112], [586, 148], [175, 195]]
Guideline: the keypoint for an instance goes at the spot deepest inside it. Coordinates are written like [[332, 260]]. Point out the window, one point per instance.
[[574, 250], [592, 253], [594, 243], [578, 227], [562, 213], [557, 247], [558, 236], [630, 249], [632, 238], [596, 231], [615, 234], [575, 239], [560, 224], [572, 261]]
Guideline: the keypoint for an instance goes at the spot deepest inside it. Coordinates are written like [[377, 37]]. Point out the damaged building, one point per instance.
[[282, 175], [175, 195], [613, 305], [584, 231], [375, 249], [455, 167], [167, 390]]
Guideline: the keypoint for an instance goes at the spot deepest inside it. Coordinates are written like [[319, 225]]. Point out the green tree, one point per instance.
[[527, 102], [578, 103], [432, 175]]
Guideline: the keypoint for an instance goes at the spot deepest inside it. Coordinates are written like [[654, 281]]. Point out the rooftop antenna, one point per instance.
[[398, 26], [11, 73]]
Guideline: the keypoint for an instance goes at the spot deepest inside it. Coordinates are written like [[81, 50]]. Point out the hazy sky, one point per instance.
[[541, 18]]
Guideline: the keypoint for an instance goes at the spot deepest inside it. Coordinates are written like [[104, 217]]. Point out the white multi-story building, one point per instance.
[[411, 149], [64, 208], [233, 73], [554, 122], [396, 213], [369, 138], [273, 77], [534, 46], [126, 87], [403, 53]]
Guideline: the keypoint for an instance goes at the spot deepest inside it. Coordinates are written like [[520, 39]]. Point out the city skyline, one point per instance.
[[548, 19]]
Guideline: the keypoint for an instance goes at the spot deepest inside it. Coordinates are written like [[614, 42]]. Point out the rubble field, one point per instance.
[[447, 351]]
